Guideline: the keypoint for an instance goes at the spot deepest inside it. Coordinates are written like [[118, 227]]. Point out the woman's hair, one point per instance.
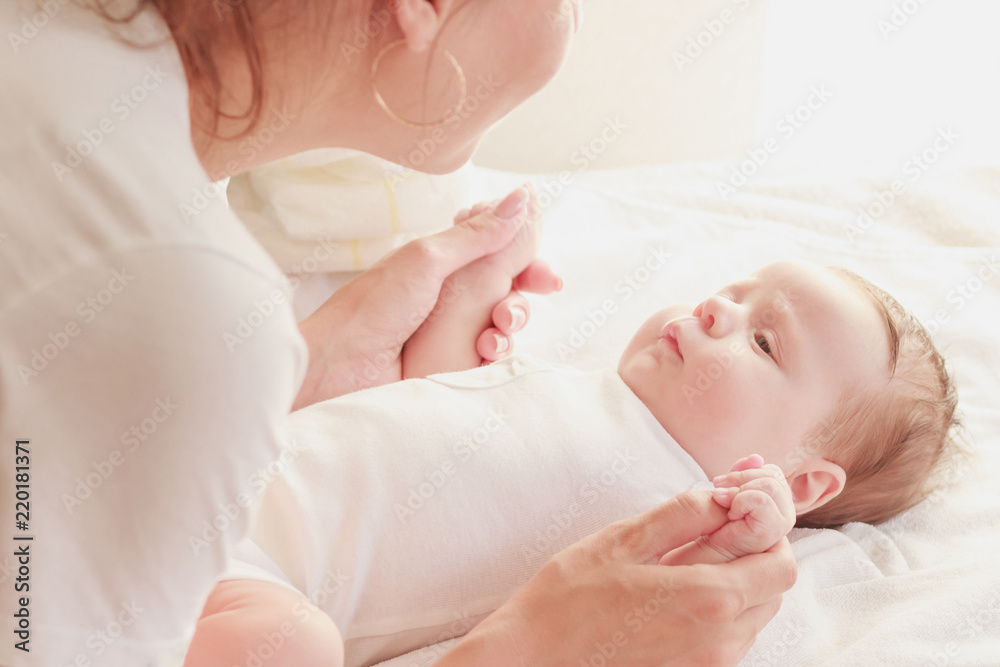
[[194, 26], [888, 439]]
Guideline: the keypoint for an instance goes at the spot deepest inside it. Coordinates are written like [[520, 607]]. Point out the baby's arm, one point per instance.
[[241, 615], [761, 512], [449, 338]]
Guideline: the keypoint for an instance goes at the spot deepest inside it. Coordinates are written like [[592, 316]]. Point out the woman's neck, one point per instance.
[[305, 104]]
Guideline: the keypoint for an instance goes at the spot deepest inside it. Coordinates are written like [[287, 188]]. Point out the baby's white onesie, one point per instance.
[[411, 511]]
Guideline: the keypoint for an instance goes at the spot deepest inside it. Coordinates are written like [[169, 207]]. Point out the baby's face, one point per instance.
[[754, 368]]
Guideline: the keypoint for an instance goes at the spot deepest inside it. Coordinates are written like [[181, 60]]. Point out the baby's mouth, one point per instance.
[[669, 336]]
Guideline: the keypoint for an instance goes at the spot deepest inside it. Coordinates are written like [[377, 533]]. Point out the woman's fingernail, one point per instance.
[[720, 493], [559, 284], [718, 478], [502, 343], [517, 318], [512, 204]]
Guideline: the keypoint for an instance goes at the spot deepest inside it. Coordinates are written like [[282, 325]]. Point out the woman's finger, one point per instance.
[[760, 578], [683, 518], [538, 278], [465, 242], [511, 314], [493, 345]]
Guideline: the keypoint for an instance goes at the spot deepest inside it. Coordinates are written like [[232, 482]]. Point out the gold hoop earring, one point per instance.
[[392, 114]]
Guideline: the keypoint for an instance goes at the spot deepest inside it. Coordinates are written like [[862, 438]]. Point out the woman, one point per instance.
[[149, 350]]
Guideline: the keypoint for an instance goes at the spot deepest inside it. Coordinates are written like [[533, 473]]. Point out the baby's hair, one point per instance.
[[888, 439]]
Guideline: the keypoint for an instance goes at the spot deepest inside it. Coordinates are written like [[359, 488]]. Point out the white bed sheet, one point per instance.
[[920, 589]]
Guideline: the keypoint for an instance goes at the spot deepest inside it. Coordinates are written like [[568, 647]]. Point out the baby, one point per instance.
[[404, 503]]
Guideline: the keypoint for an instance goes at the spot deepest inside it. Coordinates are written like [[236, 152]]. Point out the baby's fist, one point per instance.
[[761, 509]]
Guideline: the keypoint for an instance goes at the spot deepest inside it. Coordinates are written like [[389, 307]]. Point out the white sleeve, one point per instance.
[[153, 389]]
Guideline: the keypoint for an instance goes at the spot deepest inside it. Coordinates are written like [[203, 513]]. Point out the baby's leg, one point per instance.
[[250, 622]]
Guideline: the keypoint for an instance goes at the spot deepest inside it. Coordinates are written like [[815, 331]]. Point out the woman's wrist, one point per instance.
[[324, 332]]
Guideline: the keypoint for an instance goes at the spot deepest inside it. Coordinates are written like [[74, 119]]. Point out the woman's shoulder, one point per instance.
[[97, 154]]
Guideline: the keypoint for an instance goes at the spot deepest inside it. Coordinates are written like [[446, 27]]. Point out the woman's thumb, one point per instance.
[[482, 234], [681, 519]]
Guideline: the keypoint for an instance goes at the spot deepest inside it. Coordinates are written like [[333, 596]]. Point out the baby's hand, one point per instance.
[[467, 324], [761, 510], [506, 264]]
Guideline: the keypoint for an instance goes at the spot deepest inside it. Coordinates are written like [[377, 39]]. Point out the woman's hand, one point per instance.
[[356, 337], [605, 600]]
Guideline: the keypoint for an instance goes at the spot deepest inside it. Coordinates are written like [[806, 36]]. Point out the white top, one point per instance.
[[409, 512], [147, 348]]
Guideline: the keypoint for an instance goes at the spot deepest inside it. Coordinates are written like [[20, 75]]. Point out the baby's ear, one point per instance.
[[814, 483]]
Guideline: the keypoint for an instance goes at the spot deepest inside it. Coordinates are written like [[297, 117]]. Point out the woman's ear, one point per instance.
[[420, 21], [816, 482]]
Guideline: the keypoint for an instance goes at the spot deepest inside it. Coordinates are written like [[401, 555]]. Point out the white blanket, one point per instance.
[[920, 589]]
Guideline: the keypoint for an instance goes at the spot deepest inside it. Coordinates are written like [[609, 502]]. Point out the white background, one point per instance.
[[891, 93]]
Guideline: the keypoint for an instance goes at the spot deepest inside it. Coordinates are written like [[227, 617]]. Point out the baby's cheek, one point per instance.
[[728, 415]]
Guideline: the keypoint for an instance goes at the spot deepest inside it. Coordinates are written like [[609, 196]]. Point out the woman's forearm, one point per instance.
[[489, 644], [329, 348]]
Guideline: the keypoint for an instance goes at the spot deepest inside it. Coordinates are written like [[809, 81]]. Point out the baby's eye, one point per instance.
[[761, 340]]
